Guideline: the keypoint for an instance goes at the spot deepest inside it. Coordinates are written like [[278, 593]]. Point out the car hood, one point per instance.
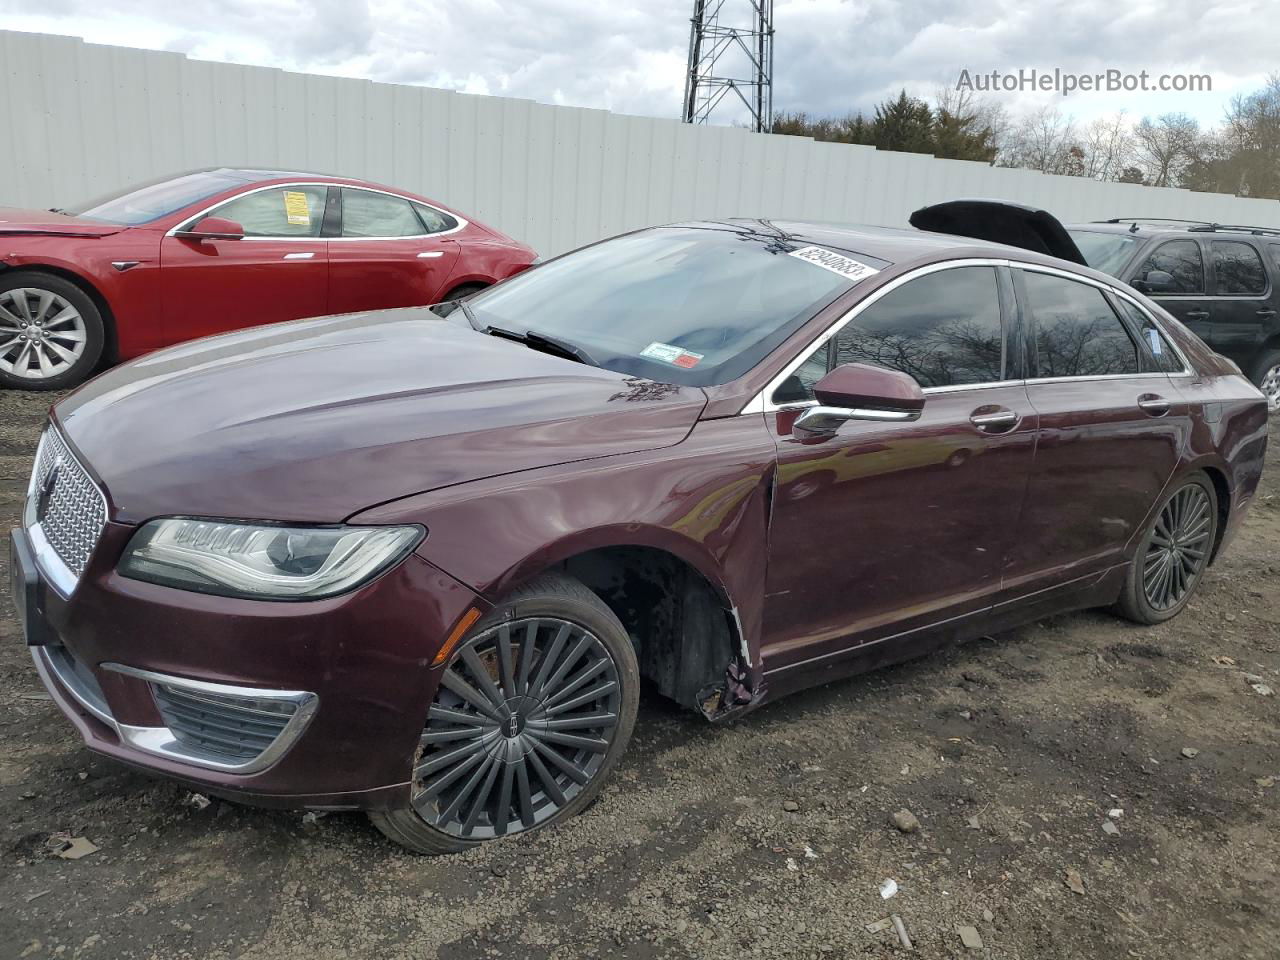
[[16, 221], [316, 420]]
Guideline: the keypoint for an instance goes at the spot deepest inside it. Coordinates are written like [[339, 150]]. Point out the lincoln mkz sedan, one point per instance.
[[416, 562], [218, 250]]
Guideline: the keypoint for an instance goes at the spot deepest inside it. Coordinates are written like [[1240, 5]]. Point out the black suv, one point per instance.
[[1222, 281]]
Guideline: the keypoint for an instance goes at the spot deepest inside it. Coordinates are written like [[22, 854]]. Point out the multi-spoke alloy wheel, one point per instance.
[[50, 332], [522, 722], [531, 711], [1174, 553], [1178, 548]]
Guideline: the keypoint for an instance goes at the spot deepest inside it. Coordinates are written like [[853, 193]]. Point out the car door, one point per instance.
[[390, 252], [1188, 300], [278, 271], [1243, 313], [882, 529], [1111, 427]]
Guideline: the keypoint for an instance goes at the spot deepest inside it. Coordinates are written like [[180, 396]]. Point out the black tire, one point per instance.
[[1180, 539], [549, 601], [72, 373], [1266, 377], [463, 291]]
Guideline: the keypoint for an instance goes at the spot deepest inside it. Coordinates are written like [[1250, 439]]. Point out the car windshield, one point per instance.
[[151, 201], [1108, 252], [691, 305]]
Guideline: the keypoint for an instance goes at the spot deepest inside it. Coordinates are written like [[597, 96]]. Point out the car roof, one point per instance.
[[1156, 228], [254, 174], [891, 245]]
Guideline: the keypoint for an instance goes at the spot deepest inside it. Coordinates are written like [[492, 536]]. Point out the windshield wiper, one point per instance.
[[469, 314], [544, 343]]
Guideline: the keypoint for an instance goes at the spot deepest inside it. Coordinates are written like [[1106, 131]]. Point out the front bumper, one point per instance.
[[316, 704]]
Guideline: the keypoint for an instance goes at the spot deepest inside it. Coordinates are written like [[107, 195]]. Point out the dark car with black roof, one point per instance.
[[1221, 280]]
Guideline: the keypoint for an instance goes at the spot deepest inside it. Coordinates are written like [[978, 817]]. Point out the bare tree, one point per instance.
[[1044, 141], [1165, 146], [985, 114], [1107, 147]]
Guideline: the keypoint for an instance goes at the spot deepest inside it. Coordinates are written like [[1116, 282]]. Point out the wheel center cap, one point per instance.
[[513, 726]]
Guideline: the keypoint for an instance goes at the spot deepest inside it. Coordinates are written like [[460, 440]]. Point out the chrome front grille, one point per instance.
[[231, 727], [64, 505]]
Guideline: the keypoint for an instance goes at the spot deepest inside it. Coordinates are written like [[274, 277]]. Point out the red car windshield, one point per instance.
[[151, 201], [691, 305]]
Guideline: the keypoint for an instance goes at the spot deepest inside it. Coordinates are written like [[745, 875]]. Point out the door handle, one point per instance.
[[1197, 314], [298, 256], [430, 254], [995, 421], [1154, 405], [1266, 312]]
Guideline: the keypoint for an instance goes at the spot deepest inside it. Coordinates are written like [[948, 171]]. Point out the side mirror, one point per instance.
[[1156, 281], [859, 391], [212, 228]]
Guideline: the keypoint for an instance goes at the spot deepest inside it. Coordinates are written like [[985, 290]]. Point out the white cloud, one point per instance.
[[831, 56]]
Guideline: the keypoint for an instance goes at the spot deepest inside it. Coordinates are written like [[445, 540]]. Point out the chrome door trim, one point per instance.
[[824, 419], [462, 221]]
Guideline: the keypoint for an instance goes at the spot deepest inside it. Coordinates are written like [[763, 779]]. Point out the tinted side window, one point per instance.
[[943, 329], [368, 214], [1077, 332], [1182, 260], [278, 212], [434, 220], [1166, 360], [1238, 268]]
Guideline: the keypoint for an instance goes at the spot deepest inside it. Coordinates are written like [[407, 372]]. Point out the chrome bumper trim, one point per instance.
[[160, 740]]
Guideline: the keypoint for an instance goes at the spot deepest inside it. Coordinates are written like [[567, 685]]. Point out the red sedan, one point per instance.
[[219, 250]]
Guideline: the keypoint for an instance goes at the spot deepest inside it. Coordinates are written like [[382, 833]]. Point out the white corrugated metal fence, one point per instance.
[[82, 119]]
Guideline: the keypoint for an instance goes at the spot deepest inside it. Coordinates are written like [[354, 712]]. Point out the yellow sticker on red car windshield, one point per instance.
[[847, 267], [296, 209]]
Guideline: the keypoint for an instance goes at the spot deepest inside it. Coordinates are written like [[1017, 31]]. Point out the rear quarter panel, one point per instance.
[[1229, 420], [483, 259]]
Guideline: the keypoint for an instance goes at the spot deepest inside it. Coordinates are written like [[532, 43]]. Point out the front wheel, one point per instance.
[[1172, 556], [51, 332], [532, 712]]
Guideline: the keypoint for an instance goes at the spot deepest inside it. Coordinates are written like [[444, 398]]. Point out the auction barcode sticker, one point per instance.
[[847, 267]]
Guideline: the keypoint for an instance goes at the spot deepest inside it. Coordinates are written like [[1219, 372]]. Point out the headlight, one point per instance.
[[262, 562]]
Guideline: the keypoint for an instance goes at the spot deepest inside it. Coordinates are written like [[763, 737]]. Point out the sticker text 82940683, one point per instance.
[[846, 266]]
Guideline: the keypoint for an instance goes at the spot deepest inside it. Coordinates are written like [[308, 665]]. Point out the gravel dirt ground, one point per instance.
[[769, 837]]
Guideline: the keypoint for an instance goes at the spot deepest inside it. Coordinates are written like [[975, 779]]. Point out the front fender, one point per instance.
[[705, 501]]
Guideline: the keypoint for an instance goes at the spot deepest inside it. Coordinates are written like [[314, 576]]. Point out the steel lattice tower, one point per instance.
[[716, 52]]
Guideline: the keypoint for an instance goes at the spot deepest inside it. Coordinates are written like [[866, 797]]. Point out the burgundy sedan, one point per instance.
[[416, 562], [217, 250]]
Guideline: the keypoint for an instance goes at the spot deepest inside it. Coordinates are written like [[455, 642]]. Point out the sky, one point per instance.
[[830, 57]]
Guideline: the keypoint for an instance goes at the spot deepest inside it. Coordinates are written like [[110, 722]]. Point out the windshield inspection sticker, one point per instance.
[[676, 356], [847, 267]]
